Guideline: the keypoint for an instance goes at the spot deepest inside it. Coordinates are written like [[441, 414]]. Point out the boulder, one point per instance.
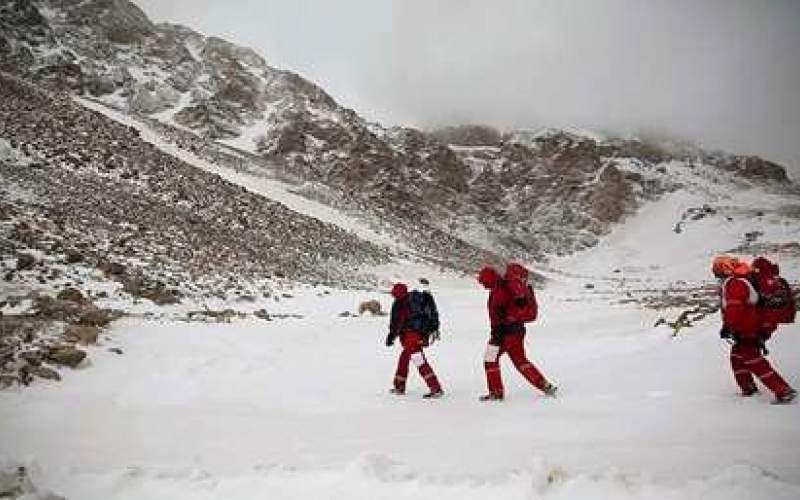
[[83, 335], [95, 317], [71, 295], [73, 256], [25, 262], [44, 372], [157, 292], [71, 310], [371, 306], [262, 314], [66, 355], [112, 268]]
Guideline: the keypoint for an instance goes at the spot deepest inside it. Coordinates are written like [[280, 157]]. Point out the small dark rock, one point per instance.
[[73, 256], [113, 268], [752, 236], [71, 295], [25, 262]]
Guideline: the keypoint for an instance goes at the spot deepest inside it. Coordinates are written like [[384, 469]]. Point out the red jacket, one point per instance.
[[401, 312], [740, 313], [499, 299]]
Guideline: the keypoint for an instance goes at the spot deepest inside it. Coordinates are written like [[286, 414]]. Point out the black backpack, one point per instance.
[[424, 316]]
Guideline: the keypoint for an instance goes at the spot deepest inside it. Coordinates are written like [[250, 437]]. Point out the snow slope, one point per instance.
[[647, 250], [267, 187]]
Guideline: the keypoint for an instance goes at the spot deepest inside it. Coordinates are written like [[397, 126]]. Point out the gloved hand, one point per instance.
[[389, 340], [725, 333], [435, 336]]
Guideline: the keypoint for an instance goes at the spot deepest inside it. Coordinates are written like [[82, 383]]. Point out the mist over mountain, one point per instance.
[[721, 73]]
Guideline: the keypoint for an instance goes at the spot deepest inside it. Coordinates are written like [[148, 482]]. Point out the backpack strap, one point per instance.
[[752, 298]]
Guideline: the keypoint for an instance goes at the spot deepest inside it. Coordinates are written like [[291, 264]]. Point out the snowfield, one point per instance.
[[299, 408]]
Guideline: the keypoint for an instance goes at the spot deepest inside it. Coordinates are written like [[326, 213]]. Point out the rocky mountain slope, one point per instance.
[[74, 180], [458, 196]]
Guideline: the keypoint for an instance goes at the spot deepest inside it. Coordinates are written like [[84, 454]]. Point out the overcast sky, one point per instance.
[[722, 72]]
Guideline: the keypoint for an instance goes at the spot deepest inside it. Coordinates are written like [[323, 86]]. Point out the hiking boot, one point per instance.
[[750, 391], [397, 392], [433, 395], [785, 398], [491, 397], [550, 390]]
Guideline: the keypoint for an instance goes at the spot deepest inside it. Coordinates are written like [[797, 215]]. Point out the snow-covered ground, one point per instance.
[[299, 407]]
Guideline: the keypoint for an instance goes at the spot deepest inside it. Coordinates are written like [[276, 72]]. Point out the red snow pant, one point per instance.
[[412, 351], [746, 361], [514, 345]]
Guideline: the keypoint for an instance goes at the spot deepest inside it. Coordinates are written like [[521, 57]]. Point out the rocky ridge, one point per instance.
[[452, 194]]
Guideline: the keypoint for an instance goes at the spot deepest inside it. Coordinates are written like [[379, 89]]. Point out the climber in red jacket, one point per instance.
[[405, 324], [507, 336], [742, 322]]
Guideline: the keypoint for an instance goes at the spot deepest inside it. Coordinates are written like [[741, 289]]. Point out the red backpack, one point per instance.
[[776, 300], [523, 307]]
